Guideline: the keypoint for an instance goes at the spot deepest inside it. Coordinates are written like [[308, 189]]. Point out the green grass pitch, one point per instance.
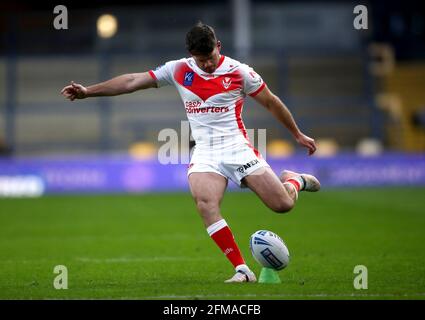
[[155, 247]]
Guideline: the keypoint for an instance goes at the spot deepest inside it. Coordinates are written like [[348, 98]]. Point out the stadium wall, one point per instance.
[[123, 174]]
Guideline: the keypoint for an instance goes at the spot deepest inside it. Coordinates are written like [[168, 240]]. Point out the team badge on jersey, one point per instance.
[[227, 82], [188, 78]]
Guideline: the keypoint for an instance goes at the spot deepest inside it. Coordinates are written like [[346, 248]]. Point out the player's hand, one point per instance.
[[74, 91], [307, 142]]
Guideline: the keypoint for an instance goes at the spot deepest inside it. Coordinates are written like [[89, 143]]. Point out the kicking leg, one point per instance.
[[277, 196], [302, 181], [207, 190], [280, 194]]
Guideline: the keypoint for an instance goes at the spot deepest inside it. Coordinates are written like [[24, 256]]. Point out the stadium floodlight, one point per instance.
[[107, 26]]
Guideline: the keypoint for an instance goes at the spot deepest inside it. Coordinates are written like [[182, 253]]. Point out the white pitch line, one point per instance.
[[232, 296], [144, 259], [110, 260], [314, 295]]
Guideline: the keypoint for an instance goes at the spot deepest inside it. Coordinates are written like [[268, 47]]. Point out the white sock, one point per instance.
[[300, 180], [220, 224]]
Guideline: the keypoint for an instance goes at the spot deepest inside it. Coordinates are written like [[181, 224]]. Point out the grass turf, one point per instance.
[[155, 247]]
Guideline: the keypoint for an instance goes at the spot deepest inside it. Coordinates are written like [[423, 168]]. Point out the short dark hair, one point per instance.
[[201, 39]]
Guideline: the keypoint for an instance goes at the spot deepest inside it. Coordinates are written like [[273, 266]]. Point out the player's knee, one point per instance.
[[206, 206], [283, 205]]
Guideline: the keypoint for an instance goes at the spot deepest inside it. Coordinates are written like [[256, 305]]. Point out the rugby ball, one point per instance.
[[269, 250]]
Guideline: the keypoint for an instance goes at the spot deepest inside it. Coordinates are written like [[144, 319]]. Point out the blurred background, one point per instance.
[[359, 93]]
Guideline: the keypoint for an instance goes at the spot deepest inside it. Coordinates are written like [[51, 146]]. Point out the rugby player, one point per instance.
[[213, 88]]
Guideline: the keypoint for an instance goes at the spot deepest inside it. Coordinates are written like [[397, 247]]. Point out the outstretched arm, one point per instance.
[[125, 83], [272, 103]]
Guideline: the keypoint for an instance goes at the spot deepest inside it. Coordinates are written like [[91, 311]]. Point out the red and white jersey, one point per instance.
[[213, 102]]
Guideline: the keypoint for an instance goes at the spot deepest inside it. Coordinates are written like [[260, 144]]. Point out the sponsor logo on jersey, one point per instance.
[[207, 110], [248, 165], [197, 107], [188, 78], [227, 82]]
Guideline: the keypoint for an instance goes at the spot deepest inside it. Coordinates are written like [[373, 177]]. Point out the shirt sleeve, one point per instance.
[[253, 83], [163, 74]]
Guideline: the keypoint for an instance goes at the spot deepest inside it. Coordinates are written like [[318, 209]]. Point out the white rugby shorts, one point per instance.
[[234, 164]]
